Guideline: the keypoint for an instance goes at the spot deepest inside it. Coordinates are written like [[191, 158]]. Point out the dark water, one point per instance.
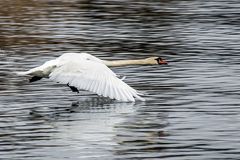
[[192, 110]]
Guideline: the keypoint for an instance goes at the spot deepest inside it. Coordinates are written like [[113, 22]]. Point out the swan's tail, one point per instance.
[[22, 73], [41, 71], [32, 78], [31, 72]]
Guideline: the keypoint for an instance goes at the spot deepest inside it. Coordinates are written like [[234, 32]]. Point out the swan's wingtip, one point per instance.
[[140, 98]]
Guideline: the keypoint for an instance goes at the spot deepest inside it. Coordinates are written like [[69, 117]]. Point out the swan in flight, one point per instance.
[[87, 72]]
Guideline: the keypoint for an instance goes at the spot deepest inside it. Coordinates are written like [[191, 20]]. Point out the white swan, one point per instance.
[[84, 71]]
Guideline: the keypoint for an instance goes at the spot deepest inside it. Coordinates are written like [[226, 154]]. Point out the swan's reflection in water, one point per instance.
[[83, 126], [91, 104]]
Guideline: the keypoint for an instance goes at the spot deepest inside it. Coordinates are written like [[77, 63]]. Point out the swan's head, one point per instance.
[[156, 60]]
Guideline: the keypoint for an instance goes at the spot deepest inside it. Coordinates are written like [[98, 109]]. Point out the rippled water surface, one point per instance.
[[192, 109]]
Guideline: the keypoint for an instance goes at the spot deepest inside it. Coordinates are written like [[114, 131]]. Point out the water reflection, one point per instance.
[[60, 126]]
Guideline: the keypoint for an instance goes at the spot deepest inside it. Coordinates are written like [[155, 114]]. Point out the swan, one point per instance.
[[87, 72]]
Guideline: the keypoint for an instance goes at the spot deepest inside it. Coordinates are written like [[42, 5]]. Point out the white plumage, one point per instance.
[[84, 71]]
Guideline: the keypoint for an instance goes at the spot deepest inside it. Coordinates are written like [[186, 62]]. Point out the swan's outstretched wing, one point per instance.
[[95, 77]]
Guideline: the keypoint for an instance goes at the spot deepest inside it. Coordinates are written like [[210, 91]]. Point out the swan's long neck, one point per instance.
[[117, 63]]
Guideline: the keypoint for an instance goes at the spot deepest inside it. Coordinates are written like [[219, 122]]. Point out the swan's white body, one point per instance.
[[86, 72]]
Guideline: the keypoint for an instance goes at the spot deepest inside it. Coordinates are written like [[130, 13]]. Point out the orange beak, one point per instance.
[[162, 61]]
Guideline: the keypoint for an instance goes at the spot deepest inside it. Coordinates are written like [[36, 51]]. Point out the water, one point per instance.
[[192, 108]]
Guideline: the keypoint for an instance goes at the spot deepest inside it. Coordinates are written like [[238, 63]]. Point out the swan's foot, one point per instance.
[[34, 78], [74, 89]]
